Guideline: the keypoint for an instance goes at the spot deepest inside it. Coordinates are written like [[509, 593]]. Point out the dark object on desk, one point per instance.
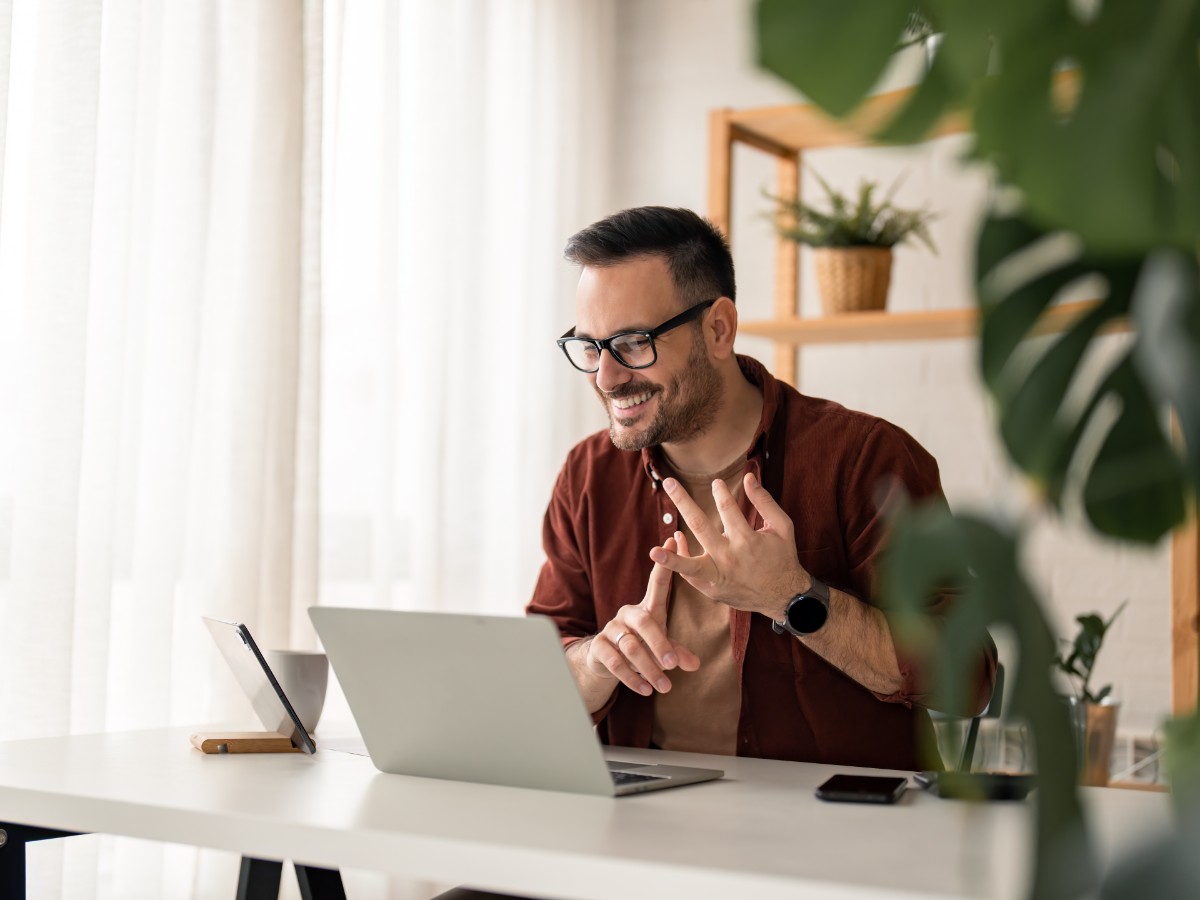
[[261, 687], [863, 788], [966, 757], [963, 784], [977, 785]]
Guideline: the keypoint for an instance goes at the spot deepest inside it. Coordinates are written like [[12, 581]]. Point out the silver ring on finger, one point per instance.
[[616, 642]]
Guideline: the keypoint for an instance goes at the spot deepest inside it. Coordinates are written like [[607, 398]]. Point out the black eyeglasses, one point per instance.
[[632, 349]]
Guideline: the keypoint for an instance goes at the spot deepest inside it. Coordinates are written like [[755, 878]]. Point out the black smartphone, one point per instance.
[[863, 788]]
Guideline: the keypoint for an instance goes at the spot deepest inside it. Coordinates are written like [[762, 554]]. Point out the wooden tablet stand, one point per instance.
[[243, 742]]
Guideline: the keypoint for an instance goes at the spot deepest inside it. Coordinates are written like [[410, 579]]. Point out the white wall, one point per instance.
[[677, 59]]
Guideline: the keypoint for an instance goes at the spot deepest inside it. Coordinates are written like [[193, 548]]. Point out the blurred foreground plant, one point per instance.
[[1086, 115]]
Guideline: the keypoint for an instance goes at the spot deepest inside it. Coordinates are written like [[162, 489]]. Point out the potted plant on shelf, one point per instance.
[[1094, 712], [852, 242]]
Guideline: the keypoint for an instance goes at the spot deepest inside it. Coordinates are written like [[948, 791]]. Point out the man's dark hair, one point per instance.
[[696, 252]]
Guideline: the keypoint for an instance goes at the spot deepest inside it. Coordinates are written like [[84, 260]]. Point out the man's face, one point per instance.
[[670, 402]]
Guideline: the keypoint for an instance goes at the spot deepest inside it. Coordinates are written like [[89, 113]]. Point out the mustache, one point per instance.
[[629, 390]]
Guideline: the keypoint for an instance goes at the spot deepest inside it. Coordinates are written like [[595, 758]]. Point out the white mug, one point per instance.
[[303, 675]]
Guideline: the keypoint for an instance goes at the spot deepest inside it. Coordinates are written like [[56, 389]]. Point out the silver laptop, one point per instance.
[[475, 698], [258, 682]]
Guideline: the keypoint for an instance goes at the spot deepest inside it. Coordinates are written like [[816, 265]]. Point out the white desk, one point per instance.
[[758, 833]]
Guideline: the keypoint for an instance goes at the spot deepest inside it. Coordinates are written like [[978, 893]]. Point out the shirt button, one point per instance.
[[668, 518]]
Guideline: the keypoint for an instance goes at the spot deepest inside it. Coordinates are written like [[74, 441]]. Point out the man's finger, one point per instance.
[[606, 653], [642, 660], [735, 523], [682, 542], [690, 567], [654, 605], [658, 588], [692, 514], [688, 661], [772, 513]]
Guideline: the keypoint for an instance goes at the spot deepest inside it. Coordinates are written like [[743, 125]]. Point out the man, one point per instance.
[[744, 515]]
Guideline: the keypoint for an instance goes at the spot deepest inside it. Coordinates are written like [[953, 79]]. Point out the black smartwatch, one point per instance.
[[805, 612]]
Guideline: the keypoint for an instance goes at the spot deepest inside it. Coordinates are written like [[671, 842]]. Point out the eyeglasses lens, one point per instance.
[[634, 350], [584, 354]]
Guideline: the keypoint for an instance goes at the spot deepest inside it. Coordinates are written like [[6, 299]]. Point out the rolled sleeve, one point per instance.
[[892, 465]]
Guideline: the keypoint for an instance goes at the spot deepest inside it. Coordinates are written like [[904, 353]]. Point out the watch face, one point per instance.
[[807, 613]]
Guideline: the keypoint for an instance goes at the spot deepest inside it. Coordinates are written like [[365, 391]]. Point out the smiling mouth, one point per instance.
[[627, 403]]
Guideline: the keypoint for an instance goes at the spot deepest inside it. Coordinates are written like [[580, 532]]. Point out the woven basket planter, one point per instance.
[[852, 279]]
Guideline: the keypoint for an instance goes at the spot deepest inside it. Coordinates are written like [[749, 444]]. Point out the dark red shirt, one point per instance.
[[828, 467]]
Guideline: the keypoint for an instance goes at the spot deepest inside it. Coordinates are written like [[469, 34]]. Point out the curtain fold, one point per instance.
[[159, 357], [472, 140], [305, 550], [6, 12], [49, 221]]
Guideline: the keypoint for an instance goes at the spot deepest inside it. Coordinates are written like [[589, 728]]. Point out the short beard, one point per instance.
[[687, 406]]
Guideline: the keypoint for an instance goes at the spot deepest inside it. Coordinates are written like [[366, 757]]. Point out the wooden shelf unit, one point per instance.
[[786, 132], [871, 327]]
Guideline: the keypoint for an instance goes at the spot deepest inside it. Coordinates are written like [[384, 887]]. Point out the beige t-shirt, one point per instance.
[[700, 712]]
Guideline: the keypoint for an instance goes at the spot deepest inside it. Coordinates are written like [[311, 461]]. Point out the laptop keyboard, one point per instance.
[[621, 778]]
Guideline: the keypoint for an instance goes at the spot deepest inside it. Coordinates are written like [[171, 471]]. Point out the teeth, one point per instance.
[[626, 402]]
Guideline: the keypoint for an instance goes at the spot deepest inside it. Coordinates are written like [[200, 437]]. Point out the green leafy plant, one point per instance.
[[1079, 663], [861, 222], [1084, 115]]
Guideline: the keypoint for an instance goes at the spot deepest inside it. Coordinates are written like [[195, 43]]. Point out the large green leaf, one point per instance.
[[937, 93], [1121, 167], [834, 52], [1119, 164], [1136, 486], [1166, 307], [931, 549], [1109, 450]]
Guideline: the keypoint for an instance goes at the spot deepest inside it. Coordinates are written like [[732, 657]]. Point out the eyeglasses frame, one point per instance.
[[602, 344]]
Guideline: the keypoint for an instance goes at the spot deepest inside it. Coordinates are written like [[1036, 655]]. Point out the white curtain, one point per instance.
[[172, 176], [466, 140], [157, 372]]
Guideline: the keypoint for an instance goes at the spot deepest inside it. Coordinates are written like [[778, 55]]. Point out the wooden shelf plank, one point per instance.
[[792, 128], [777, 129], [1139, 786], [923, 325]]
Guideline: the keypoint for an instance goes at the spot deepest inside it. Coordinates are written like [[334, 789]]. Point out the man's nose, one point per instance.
[[611, 373]]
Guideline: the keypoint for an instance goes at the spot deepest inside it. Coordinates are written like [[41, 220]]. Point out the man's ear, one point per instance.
[[721, 328]]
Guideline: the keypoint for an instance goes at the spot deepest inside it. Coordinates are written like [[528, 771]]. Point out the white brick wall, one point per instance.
[[676, 60]]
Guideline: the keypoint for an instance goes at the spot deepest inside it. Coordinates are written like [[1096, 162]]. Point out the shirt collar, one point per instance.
[[756, 373]]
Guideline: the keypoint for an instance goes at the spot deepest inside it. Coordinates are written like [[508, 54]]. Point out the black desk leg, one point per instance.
[[320, 884], [259, 879], [13, 839]]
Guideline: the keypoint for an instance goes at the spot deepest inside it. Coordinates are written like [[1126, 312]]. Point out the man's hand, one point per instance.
[[633, 647], [754, 570]]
